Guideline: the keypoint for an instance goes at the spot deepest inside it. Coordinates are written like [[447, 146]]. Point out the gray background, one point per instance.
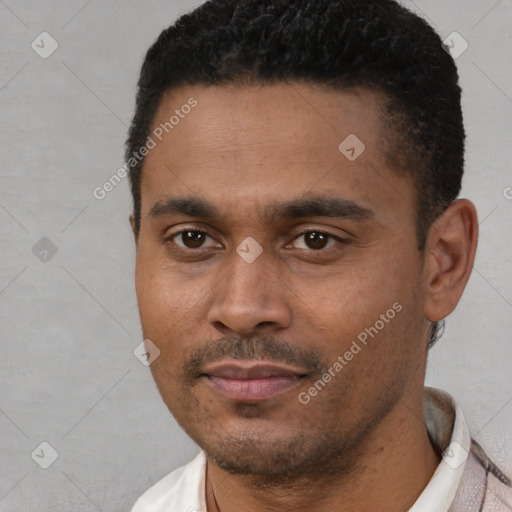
[[70, 324]]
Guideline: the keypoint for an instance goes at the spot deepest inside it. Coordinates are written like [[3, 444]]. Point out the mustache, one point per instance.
[[258, 347]]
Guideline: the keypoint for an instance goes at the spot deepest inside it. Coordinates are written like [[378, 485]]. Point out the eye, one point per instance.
[[317, 240], [190, 238], [194, 239]]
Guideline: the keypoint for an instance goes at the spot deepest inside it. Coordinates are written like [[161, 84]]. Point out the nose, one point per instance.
[[249, 297]]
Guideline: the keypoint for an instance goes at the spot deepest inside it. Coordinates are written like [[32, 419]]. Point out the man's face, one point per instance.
[[257, 289]]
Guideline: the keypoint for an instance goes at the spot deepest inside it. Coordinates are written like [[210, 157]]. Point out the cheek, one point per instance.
[[170, 307], [154, 282], [158, 295], [352, 300], [351, 295]]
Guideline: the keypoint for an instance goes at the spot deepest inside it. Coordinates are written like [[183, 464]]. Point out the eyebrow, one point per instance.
[[311, 206]]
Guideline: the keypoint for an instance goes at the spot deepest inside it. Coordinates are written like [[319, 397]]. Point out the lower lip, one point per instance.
[[250, 390]]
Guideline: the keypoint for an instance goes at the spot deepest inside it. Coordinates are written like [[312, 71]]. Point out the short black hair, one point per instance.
[[377, 45]]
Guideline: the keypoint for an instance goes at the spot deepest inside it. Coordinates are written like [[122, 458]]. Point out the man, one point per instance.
[[295, 168]]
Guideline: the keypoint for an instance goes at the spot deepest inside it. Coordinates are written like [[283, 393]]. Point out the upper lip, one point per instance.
[[250, 370]]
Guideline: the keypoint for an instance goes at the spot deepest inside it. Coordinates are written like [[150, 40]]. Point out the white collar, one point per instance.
[[449, 432]]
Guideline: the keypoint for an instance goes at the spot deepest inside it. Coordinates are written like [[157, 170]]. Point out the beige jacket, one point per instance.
[[484, 487]]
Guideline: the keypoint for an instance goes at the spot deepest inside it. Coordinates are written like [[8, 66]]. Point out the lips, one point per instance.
[[246, 370], [247, 381]]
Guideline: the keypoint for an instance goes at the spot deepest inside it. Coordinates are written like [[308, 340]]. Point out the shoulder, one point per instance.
[[485, 487], [180, 491], [498, 495]]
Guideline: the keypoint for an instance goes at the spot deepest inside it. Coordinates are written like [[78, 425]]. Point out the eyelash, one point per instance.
[[170, 238]]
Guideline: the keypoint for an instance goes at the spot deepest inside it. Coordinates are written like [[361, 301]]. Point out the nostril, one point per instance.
[[264, 324]]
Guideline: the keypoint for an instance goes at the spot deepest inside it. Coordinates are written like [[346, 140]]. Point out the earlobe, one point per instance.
[[449, 258]]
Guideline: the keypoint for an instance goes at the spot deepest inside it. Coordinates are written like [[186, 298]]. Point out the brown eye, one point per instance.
[[317, 240], [193, 239], [190, 238]]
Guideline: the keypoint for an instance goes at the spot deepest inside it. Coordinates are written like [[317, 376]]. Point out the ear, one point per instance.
[[134, 228], [449, 256]]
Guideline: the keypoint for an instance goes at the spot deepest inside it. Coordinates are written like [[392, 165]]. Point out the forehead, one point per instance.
[[307, 118], [277, 141]]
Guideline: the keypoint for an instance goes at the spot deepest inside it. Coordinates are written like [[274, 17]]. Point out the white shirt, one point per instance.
[[464, 481]]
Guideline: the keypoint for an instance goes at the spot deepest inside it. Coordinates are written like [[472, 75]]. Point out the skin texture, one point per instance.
[[361, 442]]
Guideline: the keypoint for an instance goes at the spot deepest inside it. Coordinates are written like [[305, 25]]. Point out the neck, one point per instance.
[[392, 467]]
